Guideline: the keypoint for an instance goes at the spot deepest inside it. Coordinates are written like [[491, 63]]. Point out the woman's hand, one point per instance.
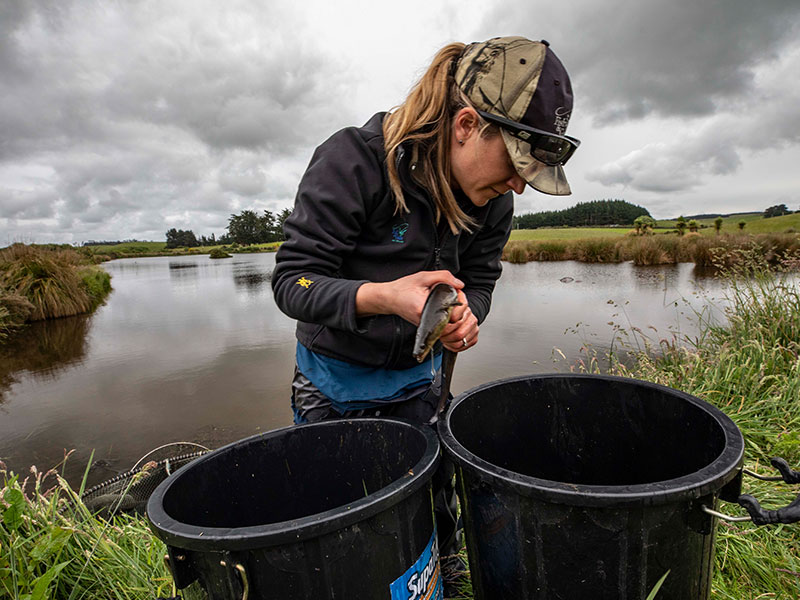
[[405, 296], [462, 330]]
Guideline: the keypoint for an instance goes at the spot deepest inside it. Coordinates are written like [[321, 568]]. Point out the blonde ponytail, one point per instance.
[[424, 120]]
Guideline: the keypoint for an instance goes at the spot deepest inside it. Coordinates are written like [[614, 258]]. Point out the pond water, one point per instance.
[[194, 349]]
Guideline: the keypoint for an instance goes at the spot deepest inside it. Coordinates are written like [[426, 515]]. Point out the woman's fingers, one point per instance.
[[462, 331]]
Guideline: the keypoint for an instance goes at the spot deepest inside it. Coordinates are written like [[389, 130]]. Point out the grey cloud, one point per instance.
[[244, 183], [678, 166], [27, 204], [628, 60], [769, 120], [139, 105]]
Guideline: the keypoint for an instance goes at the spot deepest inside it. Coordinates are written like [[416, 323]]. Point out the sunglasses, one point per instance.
[[550, 148]]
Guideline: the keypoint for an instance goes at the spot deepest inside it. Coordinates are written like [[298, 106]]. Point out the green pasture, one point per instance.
[[134, 249], [567, 233], [128, 248], [754, 223]]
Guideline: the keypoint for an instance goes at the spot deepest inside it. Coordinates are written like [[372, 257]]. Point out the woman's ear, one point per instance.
[[465, 124]]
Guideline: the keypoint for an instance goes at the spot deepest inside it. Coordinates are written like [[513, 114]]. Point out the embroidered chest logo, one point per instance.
[[399, 232], [304, 282]]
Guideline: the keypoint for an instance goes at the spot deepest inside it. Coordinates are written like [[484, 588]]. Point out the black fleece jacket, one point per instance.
[[344, 232]]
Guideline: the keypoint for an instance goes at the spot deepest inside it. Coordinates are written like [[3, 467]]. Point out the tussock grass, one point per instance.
[[648, 250], [14, 312], [51, 546], [48, 283], [703, 250], [596, 250]]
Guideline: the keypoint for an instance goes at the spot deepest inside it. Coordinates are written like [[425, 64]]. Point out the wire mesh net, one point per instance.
[[129, 491]]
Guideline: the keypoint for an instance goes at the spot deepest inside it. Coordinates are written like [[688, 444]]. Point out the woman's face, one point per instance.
[[480, 164]]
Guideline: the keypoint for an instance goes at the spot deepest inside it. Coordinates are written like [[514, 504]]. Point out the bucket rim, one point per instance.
[[193, 537], [709, 479]]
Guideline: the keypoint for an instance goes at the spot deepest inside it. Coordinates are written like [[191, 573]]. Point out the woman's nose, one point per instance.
[[516, 183]]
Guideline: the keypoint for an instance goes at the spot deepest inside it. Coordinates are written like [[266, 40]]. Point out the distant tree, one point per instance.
[[250, 228], [718, 224], [693, 226], [178, 238], [244, 228], [172, 238], [681, 225], [269, 230], [741, 225], [776, 211], [644, 224], [282, 216]]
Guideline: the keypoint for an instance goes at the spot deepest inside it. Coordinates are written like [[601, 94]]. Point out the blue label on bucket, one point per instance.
[[422, 581]]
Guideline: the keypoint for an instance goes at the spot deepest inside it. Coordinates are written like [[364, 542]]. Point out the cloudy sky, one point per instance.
[[121, 119]]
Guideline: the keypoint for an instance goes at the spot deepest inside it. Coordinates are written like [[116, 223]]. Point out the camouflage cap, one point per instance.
[[523, 81]]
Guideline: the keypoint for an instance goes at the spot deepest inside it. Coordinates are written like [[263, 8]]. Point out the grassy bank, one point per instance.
[[702, 250], [103, 252], [52, 547], [40, 282]]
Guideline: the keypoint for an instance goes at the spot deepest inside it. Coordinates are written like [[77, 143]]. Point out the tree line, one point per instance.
[[595, 213], [248, 227]]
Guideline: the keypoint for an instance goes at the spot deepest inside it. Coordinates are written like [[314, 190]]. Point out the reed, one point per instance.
[[596, 250], [551, 250], [719, 250], [517, 252], [651, 250]]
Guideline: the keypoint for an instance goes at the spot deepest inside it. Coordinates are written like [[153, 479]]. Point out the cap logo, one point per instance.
[[562, 120]]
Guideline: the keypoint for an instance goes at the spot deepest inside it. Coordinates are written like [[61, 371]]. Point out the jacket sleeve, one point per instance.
[[333, 199], [480, 266]]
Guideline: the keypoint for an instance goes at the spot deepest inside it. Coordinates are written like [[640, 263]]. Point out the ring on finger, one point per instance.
[[464, 342]]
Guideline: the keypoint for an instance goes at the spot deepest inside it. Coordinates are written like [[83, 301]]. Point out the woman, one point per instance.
[[416, 197]]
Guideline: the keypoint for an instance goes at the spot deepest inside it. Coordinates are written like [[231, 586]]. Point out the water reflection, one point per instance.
[[250, 277], [42, 350]]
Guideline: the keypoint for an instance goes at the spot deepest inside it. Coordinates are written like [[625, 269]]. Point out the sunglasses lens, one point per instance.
[[552, 150]]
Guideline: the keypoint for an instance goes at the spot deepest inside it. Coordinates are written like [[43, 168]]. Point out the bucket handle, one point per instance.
[[243, 575], [787, 515]]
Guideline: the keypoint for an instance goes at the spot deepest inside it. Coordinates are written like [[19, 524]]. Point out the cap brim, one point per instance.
[[541, 177]]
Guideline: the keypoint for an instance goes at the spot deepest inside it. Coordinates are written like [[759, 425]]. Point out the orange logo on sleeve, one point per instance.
[[304, 282]]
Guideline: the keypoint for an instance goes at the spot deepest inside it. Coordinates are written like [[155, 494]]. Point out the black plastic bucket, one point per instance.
[[339, 509], [584, 486]]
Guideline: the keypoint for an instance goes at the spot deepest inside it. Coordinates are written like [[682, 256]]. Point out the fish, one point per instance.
[[435, 316]]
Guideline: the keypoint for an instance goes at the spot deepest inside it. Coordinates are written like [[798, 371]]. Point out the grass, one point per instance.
[[51, 546], [654, 249], [567, 233], [754, 223], [39, 282], [103, 252]]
